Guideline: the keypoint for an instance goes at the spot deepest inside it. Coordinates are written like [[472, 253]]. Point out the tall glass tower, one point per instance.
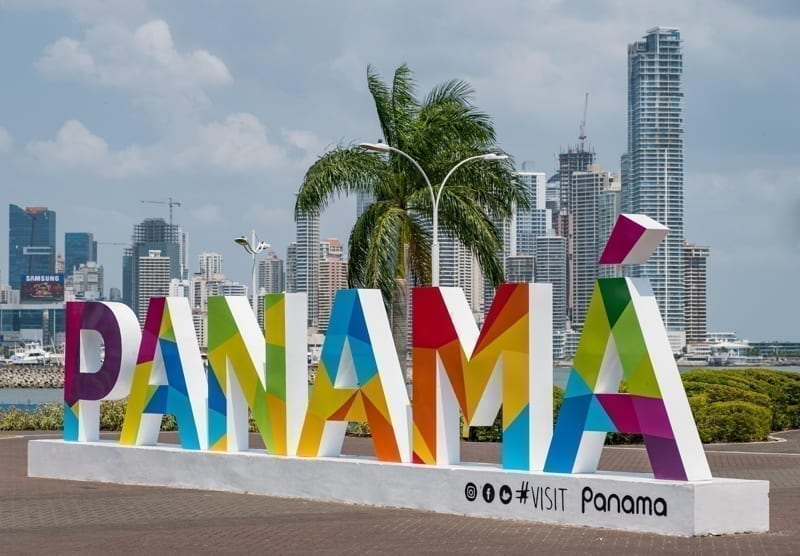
[[306, 262], [31, 242], [79, 248], [652, 169]]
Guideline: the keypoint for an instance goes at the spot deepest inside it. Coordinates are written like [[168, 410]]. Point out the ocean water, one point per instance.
[[29, 398]]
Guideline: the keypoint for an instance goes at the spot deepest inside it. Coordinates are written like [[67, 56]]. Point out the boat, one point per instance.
[[733, 354], [31, 353]]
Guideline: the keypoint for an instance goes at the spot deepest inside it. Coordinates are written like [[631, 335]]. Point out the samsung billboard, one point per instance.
[[42, 288]]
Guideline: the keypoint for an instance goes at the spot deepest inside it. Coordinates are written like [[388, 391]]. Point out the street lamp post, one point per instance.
[[253, 248], [435, 196]]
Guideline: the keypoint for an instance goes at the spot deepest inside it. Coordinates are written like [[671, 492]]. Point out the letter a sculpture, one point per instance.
[[624, 338]]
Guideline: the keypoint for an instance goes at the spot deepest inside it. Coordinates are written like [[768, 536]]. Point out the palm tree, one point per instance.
[[390, 241]]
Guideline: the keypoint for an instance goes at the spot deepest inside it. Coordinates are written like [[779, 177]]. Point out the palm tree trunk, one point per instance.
[[400, 323]]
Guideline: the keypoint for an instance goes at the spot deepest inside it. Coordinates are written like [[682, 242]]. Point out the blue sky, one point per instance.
[[223, 106]]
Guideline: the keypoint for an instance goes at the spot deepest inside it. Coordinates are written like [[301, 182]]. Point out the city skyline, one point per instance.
[[227, 121]]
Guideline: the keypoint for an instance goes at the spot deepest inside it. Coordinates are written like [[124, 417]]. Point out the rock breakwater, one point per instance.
[[31, 376]]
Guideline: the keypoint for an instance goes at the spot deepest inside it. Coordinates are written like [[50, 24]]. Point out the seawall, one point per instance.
[[31, 376]]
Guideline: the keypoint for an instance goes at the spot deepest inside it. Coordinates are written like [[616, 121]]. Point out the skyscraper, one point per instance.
[[520, 268], [652, 169], [291, 268], [307, 262], [551, 268], [153, 234], [271, 278], [608, 204], [586, 188], [31, 242], [575, 159], [532, 222], [153, 280], [695, 296], [332, 278], [363, 200], [79, 248], [86, 281], [210, 265]]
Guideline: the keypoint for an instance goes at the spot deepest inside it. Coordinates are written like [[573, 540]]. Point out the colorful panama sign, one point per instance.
[[457, 370]]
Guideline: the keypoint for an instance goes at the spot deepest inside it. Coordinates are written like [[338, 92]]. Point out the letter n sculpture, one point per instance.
[[624, 337]]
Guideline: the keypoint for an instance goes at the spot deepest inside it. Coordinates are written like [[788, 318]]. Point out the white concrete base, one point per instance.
[[611, 500]]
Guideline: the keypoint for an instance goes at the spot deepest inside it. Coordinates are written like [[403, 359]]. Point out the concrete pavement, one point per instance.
[[65, 517]]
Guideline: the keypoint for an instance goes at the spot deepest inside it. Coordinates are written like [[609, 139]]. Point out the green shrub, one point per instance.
[[733, 421], [778, 391], [50, 417]]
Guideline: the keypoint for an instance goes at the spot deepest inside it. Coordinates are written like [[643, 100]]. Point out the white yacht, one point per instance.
[[31, 353]]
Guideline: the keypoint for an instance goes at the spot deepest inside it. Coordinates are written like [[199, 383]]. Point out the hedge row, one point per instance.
[[729, 405]]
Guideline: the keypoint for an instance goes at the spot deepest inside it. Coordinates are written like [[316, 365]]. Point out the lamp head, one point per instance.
[[241, 240], [494, 156], [377, 147]]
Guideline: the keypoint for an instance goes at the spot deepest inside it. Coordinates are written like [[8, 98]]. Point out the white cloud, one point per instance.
[[305, 140], [144, 61], [5, 140], [236, 145], [87, 11], [207, 214], [77, 148], [269, 215]]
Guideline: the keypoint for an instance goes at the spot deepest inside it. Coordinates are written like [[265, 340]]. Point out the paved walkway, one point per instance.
[[65, 517]]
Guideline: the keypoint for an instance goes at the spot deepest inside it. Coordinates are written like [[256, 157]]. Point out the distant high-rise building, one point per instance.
[[332, 278], [31, 242], [291, 268], [153, 234], [127, 276], [551, 268], [79, 248], [508, 240], [455, 264], [696, 286], [575, 159], [114, 294], [210, 265], [652, 168], [153, 279], [86, 281], [586, 188], [608, 209], [534, 221], [331, 247], [553, 198], [363, 200], [271, 277], [307, 263], [520, 268]]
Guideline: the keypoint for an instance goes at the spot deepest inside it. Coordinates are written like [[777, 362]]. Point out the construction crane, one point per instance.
[[171, 204], [112, 243], [582, 136]]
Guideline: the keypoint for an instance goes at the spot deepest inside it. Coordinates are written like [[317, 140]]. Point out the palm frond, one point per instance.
[[469, 223], [382, 96], [375, 247], [338, 172], [455, 90], [404, 105]]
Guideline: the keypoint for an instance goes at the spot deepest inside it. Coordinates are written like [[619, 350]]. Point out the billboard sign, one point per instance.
[[44, 288]]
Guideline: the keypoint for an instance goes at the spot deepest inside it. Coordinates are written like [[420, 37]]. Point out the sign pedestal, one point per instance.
[[610, 500]]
